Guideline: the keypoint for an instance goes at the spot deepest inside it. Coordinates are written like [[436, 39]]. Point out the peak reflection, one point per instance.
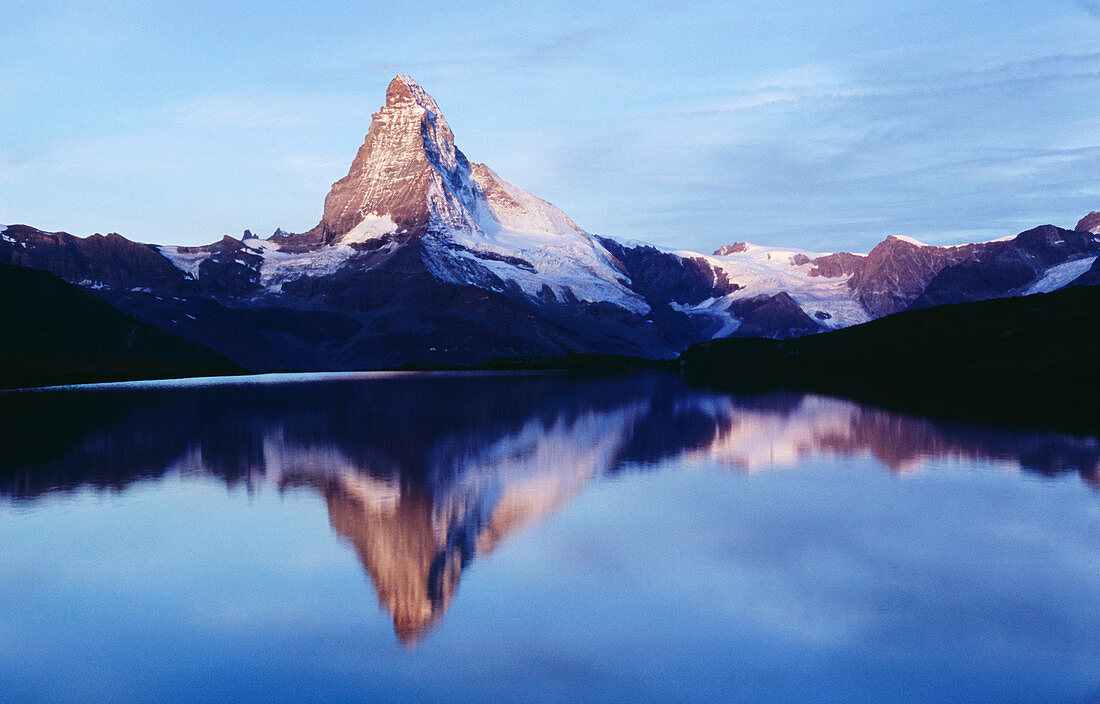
[[424, 474]]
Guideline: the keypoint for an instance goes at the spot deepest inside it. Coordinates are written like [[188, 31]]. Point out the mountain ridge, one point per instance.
[[424, 257]]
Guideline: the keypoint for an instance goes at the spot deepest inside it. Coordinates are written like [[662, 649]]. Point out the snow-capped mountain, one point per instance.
[[409, 182], [422, 256]]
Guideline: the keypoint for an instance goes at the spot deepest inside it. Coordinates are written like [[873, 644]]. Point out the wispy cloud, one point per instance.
[[246, 111], [818, 85]]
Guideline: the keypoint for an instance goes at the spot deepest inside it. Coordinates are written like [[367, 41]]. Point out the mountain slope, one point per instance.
[[52, 332], [1007, 355]]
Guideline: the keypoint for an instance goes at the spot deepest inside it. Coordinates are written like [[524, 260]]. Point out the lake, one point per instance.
[[536, 537]]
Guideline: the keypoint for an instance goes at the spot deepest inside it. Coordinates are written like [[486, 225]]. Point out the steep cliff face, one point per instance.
[[1001, 271], [897, 270], [671, 277], [406, 175], [832, 266], [409, 182]]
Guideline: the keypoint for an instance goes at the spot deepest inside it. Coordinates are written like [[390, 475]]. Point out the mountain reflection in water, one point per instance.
[[422, 474]]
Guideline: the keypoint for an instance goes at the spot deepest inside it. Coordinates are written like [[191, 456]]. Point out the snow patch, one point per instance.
[[187, 262], [279, 267], [9, 239], [766, 271], [371, 227], [519, 238], [1058, 276], [276, 267]]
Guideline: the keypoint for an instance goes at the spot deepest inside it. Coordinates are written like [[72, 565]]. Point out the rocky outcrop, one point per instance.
[[1047, 245], [735, 248], [897, 271], [1004, 270], [834, 266], [408, 151], [670, 277], [232, 269], [777, 316], [1090, 223]]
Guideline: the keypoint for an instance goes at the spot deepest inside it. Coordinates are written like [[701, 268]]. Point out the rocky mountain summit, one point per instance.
[[1090, 223], [424, 257]]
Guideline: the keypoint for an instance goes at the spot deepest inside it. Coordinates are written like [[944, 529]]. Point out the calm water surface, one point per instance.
[[536, 538]]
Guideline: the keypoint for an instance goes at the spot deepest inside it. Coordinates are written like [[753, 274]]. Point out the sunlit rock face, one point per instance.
[[1090, 223], [897, 270], [409, 181], [408, 154], [409, 174]]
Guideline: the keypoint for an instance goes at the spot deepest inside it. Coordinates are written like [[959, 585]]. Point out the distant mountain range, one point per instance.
[[422, 257]]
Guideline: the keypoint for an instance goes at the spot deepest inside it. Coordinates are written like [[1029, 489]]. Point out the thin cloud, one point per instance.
[[1047, 68], [242, 111]]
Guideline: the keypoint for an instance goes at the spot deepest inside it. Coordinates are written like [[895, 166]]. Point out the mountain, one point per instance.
[[57, 333], [422, 257]]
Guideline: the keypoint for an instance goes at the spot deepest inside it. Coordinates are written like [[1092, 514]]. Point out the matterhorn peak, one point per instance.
[[406, 177], [409, 184], [403, 89]]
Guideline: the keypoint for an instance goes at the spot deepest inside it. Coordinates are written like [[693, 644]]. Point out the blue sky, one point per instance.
[[689, 125]]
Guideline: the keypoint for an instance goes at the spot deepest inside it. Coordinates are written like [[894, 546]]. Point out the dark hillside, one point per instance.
[[1032, 358], [52, 332]]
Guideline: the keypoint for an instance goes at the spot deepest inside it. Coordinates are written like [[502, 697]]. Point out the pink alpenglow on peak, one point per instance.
[[1090, 223]]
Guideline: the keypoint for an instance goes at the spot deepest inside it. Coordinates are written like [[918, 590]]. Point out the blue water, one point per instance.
[[536, 538]]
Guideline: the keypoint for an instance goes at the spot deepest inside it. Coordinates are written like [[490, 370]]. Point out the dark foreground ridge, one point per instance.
[[1028, 360], [52, 332]]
